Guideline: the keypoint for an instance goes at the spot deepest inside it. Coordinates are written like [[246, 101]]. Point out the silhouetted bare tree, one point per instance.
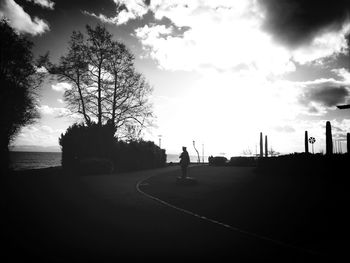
[[106, 86], [19, 78], [73, 67]]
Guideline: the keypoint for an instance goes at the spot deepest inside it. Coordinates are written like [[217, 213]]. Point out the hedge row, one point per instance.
[[94, 149]]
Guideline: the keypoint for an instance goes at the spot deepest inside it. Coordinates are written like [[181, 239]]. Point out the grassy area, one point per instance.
[[305, 211]]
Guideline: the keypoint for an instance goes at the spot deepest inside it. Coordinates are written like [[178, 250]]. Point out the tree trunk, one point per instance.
[[114, 99], [99, 97], [86, 117]]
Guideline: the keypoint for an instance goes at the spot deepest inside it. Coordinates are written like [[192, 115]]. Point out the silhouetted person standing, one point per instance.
[[184, 161]]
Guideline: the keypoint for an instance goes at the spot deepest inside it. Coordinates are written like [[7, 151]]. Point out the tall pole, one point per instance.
[[261, 145], [160, 141], [329, 141], [194, 146], [203, 153], [306, 142]]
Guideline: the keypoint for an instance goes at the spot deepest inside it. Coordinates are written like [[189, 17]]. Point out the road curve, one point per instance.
[[101, 218]]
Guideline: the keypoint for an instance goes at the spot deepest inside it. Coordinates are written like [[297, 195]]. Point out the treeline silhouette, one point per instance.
[[93, 149], [18, 82]]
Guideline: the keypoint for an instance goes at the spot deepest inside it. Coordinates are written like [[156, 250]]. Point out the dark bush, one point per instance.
[[81, 142], [95, 166], [93, 149], [137, 155], [242, 161], [218, 161]]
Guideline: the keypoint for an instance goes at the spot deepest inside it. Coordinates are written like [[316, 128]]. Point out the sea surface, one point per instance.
[[34, 160], [38, 160]]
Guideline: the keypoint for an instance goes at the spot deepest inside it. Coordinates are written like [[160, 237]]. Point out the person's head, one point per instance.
[[184, 148]]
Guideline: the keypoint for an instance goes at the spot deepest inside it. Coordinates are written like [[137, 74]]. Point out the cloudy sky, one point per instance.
[[222, 71]]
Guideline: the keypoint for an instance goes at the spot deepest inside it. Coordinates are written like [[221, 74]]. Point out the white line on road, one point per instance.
[[278, 242]]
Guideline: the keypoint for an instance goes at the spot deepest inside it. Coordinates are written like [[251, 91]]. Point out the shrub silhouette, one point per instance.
[[81, 142], [242, 161], [137, 155], [94, 149], [95, 166], [218, 161]]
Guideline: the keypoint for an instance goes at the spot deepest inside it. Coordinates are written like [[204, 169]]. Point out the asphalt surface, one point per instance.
[[105, 218]]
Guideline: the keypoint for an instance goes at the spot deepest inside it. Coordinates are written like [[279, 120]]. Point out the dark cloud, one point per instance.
[[326, 94], [106, 7], [295, 22]]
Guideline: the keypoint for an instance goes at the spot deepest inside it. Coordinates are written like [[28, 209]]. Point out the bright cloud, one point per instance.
[[38, 134], [221, 37], [44, 3], [20, 20], [61, 86], [57, 112], [127, 10], [133, 10], [103, 18]]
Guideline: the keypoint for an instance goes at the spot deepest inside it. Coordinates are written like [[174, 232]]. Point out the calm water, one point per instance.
[[37, 160], [174, 158], [34, 160]]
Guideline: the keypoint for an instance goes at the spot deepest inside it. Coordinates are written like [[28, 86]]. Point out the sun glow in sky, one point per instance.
[[222, 71]]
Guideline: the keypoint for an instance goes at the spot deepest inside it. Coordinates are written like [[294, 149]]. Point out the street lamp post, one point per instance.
[[194, 146], [203, 153], [160, 140]]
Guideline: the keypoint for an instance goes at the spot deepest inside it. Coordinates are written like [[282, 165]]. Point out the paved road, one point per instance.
[[95, 218]]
